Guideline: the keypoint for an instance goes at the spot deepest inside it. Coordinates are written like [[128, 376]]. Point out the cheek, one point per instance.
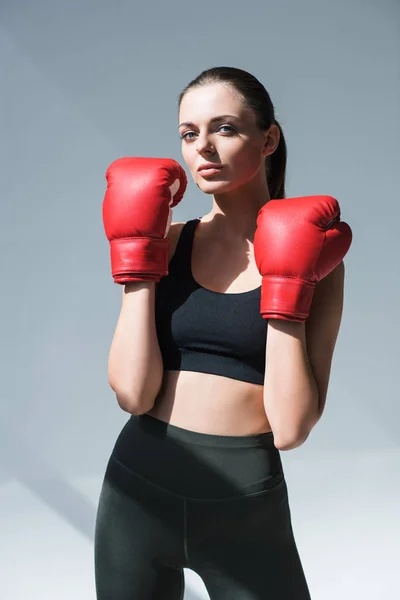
[[246, 160], [188, 157]]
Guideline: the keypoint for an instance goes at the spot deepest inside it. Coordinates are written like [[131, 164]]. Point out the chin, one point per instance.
[[215, 187]]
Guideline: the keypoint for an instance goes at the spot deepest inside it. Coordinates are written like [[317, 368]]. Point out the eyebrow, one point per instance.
[[220, 118]]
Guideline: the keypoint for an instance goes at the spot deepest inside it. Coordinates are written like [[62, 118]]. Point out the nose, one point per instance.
[[204, 145]]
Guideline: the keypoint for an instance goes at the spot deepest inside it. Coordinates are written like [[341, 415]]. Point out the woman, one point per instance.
[[221, 354]]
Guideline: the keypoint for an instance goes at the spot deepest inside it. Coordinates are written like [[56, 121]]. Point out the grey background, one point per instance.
[[83, 83]]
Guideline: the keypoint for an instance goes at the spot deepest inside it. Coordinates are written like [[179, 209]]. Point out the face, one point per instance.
[[218, 130]]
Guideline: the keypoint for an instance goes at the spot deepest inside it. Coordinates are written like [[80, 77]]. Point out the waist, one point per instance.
[[210, 403], [197, 465]]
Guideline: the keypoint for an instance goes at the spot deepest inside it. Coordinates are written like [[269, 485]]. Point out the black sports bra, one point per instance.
[[206, 331]]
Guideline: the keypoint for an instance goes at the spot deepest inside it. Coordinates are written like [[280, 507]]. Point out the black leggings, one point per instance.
[[174, 499]]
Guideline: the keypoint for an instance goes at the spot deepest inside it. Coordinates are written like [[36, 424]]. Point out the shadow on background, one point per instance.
[[37, 475]]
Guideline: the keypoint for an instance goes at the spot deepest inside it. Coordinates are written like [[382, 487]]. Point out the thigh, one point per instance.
[[244, 549], [138, 539]]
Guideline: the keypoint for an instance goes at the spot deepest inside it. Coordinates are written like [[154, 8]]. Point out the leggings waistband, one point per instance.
[[164, 430], [197, 465]]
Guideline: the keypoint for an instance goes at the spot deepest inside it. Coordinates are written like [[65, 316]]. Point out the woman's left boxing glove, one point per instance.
[[298, 242]]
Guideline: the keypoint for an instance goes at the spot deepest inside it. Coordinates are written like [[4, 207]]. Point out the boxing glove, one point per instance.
[[298, 242], [137, 214]]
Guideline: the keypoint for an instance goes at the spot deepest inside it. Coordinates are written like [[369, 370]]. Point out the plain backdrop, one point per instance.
[[85, 82]]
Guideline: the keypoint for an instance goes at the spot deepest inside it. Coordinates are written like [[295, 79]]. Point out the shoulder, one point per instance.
[[173, 236]]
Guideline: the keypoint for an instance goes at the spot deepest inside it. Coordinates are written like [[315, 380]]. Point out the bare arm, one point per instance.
[[290, 390], [135, 367], [298, 364]]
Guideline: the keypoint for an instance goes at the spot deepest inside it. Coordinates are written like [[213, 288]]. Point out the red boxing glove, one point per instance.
[[298, 242], [137, 214]]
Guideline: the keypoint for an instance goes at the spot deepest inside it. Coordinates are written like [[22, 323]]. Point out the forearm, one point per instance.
[[135, 366], [290, 390]]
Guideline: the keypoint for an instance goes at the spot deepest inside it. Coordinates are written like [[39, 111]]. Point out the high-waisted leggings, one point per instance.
[[174, 499]]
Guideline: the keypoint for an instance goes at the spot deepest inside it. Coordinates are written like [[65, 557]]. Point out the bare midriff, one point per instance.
[[211, 404]]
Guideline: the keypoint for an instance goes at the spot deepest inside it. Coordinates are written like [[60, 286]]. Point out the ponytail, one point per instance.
[[275, 167]]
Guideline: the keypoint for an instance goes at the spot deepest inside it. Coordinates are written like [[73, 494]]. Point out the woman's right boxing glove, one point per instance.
[[137, 214]]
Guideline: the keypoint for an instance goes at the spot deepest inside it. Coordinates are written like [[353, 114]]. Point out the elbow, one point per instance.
[[137, 396], [291, 435], [134, 404], [290, 442]]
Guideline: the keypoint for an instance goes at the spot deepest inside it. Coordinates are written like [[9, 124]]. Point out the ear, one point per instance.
[[271, 142]]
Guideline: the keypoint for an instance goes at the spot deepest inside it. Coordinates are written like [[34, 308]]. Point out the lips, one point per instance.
[[209, 167], [209, 170]]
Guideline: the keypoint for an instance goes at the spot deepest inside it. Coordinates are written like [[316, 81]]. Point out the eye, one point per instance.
[[185, 136], [229, 127], [189, 135]]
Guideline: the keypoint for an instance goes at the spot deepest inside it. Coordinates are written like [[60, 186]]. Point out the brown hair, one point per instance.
[[256, 98]]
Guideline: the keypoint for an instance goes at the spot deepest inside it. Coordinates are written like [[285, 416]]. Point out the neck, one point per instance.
[[235, 212]]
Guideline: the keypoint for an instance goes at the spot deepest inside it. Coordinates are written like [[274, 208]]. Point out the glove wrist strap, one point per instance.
[[286, 298], [139, 259]]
